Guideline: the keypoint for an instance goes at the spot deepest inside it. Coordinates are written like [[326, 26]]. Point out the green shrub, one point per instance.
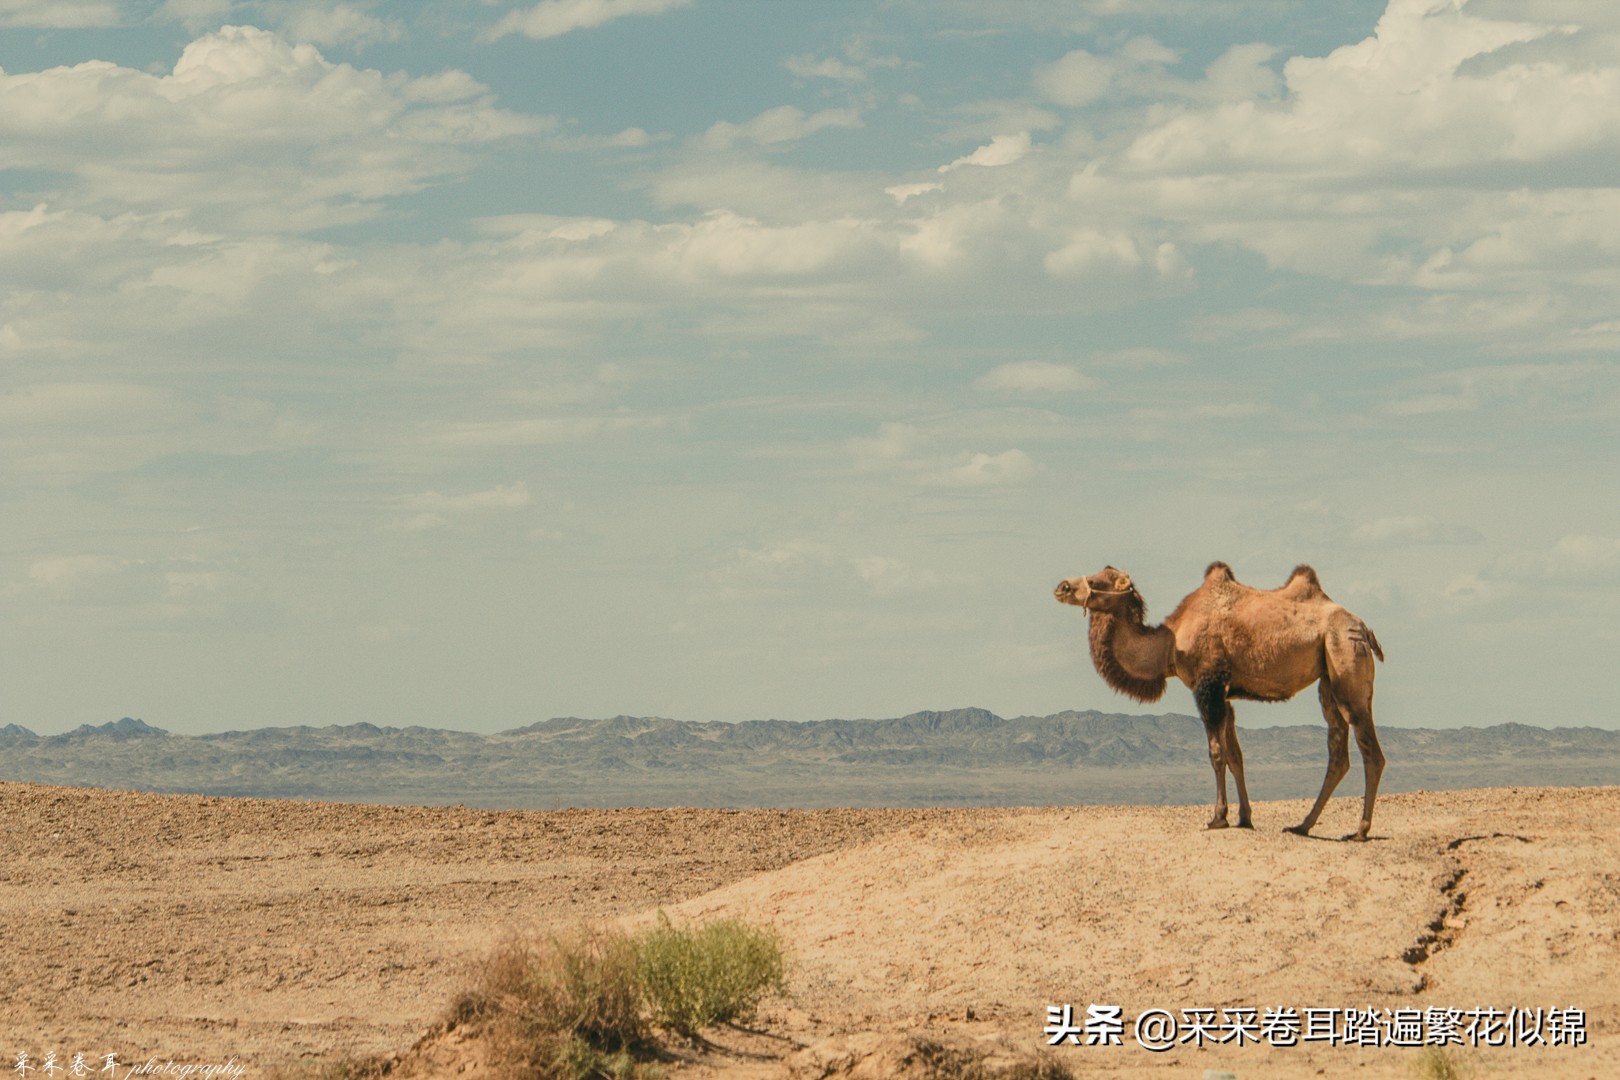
[[576, 1006], [1436, 1063], [692, 977]]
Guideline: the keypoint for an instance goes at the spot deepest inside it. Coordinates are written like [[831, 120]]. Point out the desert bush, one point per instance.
[[712, 973], [577, 1006], [564, 1008], [1436, 1063], [937, 1061]]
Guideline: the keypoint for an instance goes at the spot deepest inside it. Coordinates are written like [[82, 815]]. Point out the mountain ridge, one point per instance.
[[929, 757]]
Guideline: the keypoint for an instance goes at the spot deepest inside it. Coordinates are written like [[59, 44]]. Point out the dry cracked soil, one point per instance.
[[288, 936]]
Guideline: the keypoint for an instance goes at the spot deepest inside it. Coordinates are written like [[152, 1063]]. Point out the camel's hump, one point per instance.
[[1218, 571], [1303, 582]]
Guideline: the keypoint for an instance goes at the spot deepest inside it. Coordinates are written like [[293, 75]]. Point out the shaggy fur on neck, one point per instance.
[[1103, 628]]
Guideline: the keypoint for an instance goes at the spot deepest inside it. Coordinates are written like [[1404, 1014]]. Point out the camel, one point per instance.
[[1228, 641]]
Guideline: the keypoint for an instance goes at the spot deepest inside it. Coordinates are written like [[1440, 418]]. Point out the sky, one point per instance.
[[471, 363]]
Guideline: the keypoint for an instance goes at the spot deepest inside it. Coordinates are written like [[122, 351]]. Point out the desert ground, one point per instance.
[[291, 935]]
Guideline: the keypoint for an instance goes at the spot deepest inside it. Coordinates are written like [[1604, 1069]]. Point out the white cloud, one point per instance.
[[1038, 377], [1078, 79], [1241, 73], [83, 402], [539, 431], [59, 14], [904, 193], [893, 442], [727, 245], [888, 576], [194, 14], [786, 555], [1472, 388], [808, 67], [276, 133], [1413, 529], [785, 124], [503, 497], [1001, 150], [73, 571], [1454, 151], [553, 18], [985, 470], [335, 24], [1226, 410], [1583, 556], [1139, 70], [427, 510], [1091, 251], [1400, 99]]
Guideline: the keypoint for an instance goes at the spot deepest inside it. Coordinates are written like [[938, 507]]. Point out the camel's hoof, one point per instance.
[[1298, 830], [1245, 824], [1357, 838], [1218, 823]]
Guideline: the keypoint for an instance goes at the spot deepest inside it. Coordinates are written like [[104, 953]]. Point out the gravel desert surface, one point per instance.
[[290, 935]]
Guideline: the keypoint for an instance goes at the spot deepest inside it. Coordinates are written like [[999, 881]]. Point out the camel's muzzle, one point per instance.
[[1069, 592]]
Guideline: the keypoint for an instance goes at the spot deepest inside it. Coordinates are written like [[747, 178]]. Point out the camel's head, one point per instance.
[[1106, 591]]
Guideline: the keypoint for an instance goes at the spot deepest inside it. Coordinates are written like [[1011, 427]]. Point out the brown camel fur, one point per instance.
[[1227, 641]]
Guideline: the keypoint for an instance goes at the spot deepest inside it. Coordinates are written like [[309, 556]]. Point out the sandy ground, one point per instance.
[[201, 929]]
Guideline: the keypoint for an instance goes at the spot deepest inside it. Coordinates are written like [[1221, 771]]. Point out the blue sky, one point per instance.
[[470, 364]]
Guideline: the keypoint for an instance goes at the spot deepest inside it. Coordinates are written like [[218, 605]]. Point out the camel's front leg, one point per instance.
[[1217, 761], [1211, 697], [1234, 758]]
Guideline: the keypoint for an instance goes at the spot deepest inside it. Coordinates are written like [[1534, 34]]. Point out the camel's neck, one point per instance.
[[1133, 658]]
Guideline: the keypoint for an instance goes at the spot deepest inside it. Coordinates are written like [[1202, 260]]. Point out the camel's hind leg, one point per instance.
[[1338, 755], [1210, 695], [1372, 762], [1351, 669], [1234, 760]]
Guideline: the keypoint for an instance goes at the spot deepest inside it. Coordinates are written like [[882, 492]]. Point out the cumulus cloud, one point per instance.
[[1078, 79], [248, 121], [785, 124], [335, 24], [893, 442], [59, 14], [1139, 69], [1001, 150], [1453, 150], [1034, 377], [904, 193], [1402, 98], [554, 18], [986, 470]]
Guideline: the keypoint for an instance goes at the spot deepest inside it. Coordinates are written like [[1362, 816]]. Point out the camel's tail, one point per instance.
[[1364, 638]]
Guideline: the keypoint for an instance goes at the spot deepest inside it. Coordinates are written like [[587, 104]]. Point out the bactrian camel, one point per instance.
[[1227, 641]]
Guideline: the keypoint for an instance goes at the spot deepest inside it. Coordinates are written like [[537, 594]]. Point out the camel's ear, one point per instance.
[[1124, 582]]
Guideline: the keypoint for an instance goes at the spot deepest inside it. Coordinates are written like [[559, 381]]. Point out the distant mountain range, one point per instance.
[[962, 756]]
